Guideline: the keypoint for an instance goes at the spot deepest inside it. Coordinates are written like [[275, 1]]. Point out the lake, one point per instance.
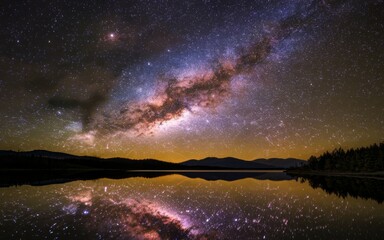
[[194, 205]]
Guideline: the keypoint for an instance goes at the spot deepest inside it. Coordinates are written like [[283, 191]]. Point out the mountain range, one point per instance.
[[42, 159], [235, 163]]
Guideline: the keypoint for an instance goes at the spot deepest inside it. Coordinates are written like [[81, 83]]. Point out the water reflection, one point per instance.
[[39, 178], [179, 207], [366, 188]]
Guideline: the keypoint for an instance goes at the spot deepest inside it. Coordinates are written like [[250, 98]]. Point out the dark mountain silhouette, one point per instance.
[[234, 163], [42, 159], [42, 167], [281, 162]]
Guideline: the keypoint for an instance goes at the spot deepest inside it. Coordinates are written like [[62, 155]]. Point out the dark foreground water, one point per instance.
[[267, 206]]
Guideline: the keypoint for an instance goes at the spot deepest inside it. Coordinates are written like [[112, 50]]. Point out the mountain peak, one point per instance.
[[231, 162]]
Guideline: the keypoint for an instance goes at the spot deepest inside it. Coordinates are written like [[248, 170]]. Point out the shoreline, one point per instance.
[[376, 175]]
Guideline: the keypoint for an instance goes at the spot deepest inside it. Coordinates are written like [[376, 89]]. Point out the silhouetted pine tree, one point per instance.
[[361, 159]]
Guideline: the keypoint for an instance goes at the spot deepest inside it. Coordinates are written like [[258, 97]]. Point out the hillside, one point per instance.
[[41, 159], [281, 162], [230, 162]]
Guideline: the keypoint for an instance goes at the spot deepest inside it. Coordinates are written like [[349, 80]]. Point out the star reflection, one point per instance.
[[129, 218], [176, 207]]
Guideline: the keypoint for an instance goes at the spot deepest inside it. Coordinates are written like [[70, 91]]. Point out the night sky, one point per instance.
[[175, 80]]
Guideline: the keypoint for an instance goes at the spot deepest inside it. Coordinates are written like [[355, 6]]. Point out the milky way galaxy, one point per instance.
[[175, 81], [174, 95]]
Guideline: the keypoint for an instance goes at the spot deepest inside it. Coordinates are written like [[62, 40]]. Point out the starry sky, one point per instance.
[[176, 80]]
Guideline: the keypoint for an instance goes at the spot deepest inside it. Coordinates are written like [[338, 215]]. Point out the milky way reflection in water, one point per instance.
[[177, 207]]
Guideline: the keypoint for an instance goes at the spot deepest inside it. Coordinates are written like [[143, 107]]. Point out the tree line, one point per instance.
[[360, 159]]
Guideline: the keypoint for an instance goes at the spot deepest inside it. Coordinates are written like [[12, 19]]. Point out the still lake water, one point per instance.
[[174, 206]]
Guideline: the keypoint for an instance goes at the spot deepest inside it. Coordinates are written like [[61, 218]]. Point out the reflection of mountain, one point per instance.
[[232, 176], [41, 167], [38, 178], [366, 188]]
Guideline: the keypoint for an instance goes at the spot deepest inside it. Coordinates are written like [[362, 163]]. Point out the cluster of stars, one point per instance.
[[179, 81]]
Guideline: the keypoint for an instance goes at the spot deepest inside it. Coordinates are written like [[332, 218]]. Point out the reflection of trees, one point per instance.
[[366, 188]]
